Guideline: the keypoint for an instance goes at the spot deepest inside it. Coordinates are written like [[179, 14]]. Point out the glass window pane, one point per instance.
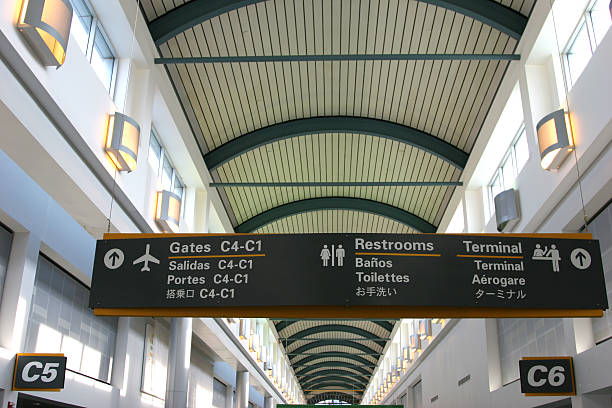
[[81, 23], [154, 152], [61, 321], [509, 173], [521, 150], [177, 186], [102, 59], [167, 174], [579, 54], [600, 15], [495, 188]]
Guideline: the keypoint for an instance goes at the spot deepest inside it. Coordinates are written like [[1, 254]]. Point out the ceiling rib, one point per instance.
[[233, 59], [301, 335], [336, 124], [336, 380], [328, 364], [341, 184], [335, 203], [343, 373], [195, 12], [331, 354], [284, 323], [342, 343]]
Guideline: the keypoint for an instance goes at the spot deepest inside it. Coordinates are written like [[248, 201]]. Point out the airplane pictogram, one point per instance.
[[146, 258]]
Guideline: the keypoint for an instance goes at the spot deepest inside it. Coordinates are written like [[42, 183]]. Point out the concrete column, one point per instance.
[[269, 402], [242, 389], [229, 397], [18, 289], [179, 358], [118, 375]]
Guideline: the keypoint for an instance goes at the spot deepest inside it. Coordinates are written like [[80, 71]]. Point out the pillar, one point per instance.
[[179, 359], [242, 389], [118, 377], [268, 402], [229, 396]]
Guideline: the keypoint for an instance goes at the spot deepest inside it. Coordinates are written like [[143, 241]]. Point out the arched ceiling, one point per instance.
[[336, 116]]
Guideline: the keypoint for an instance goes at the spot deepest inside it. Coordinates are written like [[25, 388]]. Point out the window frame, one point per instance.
[[510, 154], [584, 22], [174, 174], [94, 27]]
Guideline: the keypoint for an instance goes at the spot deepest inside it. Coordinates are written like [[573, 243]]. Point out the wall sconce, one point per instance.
[[425, 329], [554, 139], [507, 213], [168, 211], [122, 137], [46, 26]]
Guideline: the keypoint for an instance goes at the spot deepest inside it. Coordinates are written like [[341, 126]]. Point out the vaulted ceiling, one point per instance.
[[336, 116]]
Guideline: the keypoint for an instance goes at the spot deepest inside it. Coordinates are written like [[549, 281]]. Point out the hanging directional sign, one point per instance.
[[340, 275]]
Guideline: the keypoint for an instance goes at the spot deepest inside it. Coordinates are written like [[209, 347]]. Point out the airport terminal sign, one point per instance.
[[514, 272]]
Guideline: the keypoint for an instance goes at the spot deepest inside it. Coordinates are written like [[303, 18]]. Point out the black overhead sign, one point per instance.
[[39, 372], [420, 271], [547, 376]]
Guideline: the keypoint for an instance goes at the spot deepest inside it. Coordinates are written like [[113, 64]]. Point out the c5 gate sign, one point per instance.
[[348, 275]]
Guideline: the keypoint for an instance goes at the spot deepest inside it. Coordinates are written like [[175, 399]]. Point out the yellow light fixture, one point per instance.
[[46, 26], [554, 139], [168, 211], [122, 137]]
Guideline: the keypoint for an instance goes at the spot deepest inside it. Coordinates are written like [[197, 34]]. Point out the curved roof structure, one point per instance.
[[329, 116]]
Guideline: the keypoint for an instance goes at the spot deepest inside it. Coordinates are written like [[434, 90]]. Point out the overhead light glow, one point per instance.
[[46, 26], [554, 139], [122, 138]]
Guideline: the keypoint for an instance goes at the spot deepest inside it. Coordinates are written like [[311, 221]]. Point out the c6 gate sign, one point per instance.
[[39, 372], [541, 376]]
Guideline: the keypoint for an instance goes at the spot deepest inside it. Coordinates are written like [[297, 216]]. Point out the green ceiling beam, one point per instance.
[[284, 323], [339, 184], [307, 382], [336, 124], [343, 343], [329, 364], [342, 381], [333, 328], [335, 203], [496, 15], [190, 14], [326, 373], [333, 354], [236, 59], [195, 12]]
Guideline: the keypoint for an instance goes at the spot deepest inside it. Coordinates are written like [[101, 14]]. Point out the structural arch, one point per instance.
[[327, 373], [334, 381], [336, 203], [286, 323], [334, 328], [334, 354], [333, 395], [344, 343], [195, 12], [336, 124], [330, 364]]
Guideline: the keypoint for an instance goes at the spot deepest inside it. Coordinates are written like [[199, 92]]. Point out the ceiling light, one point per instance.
[[168, 211], [554, 139], [122, 139], [46, 26]]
